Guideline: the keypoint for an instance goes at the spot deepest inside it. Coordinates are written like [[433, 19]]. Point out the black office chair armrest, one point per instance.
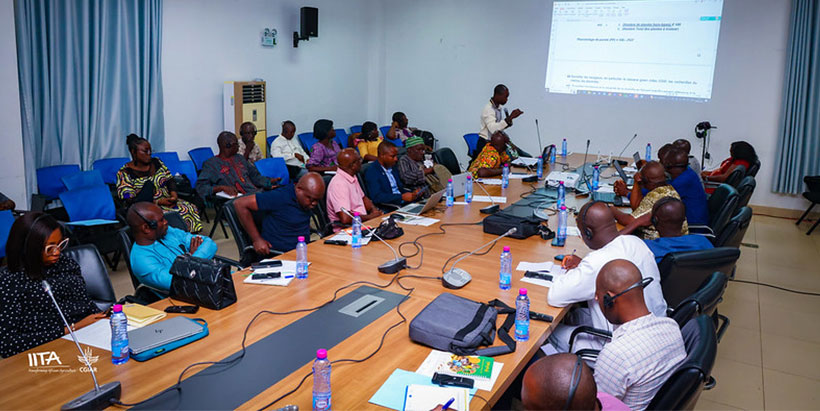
[[228, 261], [588, 354], [703, 230], [584, 329]]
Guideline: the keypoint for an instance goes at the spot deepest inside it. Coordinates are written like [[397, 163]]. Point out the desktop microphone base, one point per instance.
[[393, 266], [96, 400], [490, 209], [455, 278]]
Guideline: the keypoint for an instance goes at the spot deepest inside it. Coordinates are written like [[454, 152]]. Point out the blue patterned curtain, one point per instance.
[[798, 149], [89, 75]]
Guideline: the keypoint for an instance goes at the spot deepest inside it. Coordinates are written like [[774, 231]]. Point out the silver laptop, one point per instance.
[[628, 180], [459, 180], [637, 158], [418, 208], [158, 334]]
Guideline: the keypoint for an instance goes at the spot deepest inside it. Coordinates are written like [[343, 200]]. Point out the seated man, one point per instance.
[[344, 191], [285, 214], [156, 245], [492, 157], [415, 175], [688, 185], [694, 164], [645, 349], [229, 172], [399, 129], [368, 142], [652, 177], [668, 216], [247, 146], [548, 381], [598, 230], [289, 148], [383, 180]]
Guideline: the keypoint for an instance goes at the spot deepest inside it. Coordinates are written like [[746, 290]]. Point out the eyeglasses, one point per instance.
[[55, 248]]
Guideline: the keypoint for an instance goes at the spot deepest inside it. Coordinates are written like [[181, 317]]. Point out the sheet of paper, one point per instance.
[[606, 188], [519, 176], [525, 161], [573, 231], [537, 281], [222, 194], [391, 394], [97, 335], [527, 266], [437, 358], [344, 236], [410, 219], [282, 281], [489, 181], [485, 199], [426, 397]]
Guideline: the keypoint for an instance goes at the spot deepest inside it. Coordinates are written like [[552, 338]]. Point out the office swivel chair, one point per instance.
[[732, 234], [95, 275], [813, 195], [447, 158], [683, 272]]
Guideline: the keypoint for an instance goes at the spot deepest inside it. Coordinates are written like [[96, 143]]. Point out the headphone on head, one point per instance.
[[586, 231], [152, 224], [575, 379], [658, 205], [610, 301]]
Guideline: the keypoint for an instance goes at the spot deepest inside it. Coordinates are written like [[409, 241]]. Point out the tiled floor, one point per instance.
[[770, 355]]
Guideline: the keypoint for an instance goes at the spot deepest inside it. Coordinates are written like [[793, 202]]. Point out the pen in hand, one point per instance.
[[448, 403], [567, 259]]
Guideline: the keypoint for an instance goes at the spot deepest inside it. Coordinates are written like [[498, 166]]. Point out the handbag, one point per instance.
[[525, 227], [202, 282], [388, 229]]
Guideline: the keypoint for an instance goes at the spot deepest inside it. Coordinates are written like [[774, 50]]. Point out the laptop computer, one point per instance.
[[161, 333], [418, 208], [637, 158], [611, 198], [628, 180], [459, 180]]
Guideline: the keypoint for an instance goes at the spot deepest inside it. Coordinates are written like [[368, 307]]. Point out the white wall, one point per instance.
[[206, 43], [12, 179], [445, 57]]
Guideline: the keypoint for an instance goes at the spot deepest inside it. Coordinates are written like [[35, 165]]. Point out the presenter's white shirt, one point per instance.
[[491, 120], [578, 284]]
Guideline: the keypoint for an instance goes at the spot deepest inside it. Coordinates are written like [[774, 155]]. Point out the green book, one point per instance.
[[472, 366]]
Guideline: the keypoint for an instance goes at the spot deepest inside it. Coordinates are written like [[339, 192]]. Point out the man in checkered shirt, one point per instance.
[[645, 350]]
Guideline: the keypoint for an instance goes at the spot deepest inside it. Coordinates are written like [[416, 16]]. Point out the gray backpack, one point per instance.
[[458, 325]]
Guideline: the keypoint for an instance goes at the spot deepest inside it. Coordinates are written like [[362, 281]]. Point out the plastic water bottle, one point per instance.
[[119, 336], [505, 176], [450, 197], [505, 273], [301, 259], [648, 152], [552, 154], [562, 194], [562, 223], [321, 381], [356, 242], [522, 315], [564, 148], [540, 169], [596, 176], [468, 189]]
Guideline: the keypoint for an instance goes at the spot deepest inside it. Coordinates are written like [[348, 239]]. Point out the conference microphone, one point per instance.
[[490, 209], [627, 145], [584, 164], [100, 397], [456, 278], [393, 266], [540, 147]]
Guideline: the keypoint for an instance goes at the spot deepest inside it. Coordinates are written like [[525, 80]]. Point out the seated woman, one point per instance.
[[323, 153], [147, 179], [27, 314], [368, 142], [741, 153]]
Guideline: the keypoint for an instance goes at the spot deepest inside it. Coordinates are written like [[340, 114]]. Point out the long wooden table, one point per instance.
[[332, 267]]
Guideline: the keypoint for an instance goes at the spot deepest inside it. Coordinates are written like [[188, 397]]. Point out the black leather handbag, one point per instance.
[[389, 230], [202, 282]]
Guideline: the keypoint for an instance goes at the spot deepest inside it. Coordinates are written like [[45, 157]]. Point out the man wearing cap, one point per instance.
[[413, 172]]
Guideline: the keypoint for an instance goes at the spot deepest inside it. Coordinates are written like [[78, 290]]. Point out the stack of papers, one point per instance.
[[344, 235], [287, 271], [97, 335], [484, 370], [427, 397], [140, 315], [394, 391], [546, 267]]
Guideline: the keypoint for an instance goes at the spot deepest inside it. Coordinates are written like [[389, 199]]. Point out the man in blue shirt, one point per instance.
[[688, 185], [668, 216], [383, 181], [285, 214], [156, 245]]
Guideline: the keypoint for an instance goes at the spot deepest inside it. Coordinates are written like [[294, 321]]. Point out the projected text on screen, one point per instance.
[[639, 48]]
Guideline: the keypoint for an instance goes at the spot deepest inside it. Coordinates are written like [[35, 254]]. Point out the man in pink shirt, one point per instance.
[[344, 190]]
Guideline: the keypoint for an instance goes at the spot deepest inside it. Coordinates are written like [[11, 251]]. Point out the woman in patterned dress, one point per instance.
[[147, 179]]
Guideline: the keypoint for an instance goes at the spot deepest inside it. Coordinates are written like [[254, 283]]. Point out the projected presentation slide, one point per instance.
[[640, 49]]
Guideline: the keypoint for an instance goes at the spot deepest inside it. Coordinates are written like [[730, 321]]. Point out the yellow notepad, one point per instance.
[[140, 315]]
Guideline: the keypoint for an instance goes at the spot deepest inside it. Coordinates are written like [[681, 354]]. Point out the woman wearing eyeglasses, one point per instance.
[[28, 317]]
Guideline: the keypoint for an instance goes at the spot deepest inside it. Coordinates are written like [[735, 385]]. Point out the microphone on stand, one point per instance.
[[393, 266], [100, 397], [627, 145], [584, 164], [490, 209], [540, 147], [456, 278]]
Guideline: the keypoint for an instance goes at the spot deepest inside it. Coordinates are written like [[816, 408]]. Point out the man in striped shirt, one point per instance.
[[645, 350]]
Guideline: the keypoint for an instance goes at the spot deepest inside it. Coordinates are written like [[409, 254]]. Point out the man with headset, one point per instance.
[[156, 246], [645, 349], [596, 223]]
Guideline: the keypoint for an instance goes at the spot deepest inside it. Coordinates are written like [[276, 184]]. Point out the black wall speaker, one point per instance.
[[309, 19]]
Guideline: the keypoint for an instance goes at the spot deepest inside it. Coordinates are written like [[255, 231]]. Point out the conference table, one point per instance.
[[332, 267]]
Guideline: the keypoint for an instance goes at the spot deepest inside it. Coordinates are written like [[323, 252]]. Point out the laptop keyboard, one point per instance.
[[413, 210]]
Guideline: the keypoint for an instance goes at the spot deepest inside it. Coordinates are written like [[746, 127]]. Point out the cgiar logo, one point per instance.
[[87, 366]]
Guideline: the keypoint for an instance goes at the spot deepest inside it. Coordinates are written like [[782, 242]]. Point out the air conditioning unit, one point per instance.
[[245, 101]]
